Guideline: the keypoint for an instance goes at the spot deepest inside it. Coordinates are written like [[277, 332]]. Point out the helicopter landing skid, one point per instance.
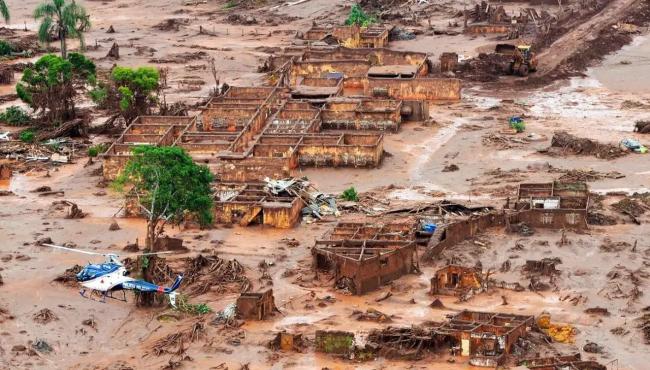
[[102, 295]]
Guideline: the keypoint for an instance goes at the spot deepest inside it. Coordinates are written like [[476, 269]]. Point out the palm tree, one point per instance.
[[4, 10], [63, 19]]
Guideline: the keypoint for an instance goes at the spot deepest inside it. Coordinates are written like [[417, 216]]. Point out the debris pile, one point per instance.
[[371, 314], [175, 343], [69, 277], [631, 207], [565, 143], [642, 127], [172, 24], [317, 204], [203, 273], [45, 316]]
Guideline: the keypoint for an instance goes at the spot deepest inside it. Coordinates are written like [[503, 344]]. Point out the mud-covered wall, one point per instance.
[[113, 165], [282, 216], [338, 155], [441, 282], [432, 89], [462, 230], [252, 169], [553, 218], [375, 272], [317, 69]]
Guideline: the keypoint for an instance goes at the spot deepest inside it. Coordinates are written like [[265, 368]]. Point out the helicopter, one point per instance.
[[111, 276]]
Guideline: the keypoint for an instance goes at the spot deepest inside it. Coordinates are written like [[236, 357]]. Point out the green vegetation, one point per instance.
[[50, 86], [63, 19], [132, 91], [15, 116], [517, 124], [230, 4], [4, 11], [358, 17], [183, 305], [5, 48], [96, 150], [27, 136], [350, 194], [169, 185]]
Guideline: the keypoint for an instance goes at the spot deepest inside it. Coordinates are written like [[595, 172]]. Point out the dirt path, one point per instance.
[[572, 42]]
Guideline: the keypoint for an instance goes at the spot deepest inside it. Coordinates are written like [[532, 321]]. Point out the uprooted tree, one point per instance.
[[131, 91], [169, 188], [51, 85]]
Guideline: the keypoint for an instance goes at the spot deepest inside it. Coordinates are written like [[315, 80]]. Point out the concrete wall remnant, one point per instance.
[[364, 257], [456, 280], [255, 306]]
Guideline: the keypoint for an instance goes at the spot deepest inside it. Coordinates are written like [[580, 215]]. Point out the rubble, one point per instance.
[[564, 143], [175, 343], [69, 277], [45, 316]]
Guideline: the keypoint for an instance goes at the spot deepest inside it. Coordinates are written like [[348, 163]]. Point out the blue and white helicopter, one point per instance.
[[111, 276]]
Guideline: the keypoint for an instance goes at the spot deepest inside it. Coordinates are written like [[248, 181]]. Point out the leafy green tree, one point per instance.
[[50, 86], [358, 17], [4, 11], [62, 19], [132, 91], [168, 185]]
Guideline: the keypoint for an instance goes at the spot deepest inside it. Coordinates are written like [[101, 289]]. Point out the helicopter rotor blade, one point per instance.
[[147, 254], [73, 250]]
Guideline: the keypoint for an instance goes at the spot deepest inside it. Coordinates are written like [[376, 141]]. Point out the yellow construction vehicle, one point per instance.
[[523, 59]]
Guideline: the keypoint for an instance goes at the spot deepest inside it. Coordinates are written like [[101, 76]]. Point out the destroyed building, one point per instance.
[[561, 362], [350, 36], [554, 205], [363, 257], [488, 18], [250, 203], [327, 106], [457, 281], [255, 306], [486, 338]]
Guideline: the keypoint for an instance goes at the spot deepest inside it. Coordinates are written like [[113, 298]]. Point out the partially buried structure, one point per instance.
[[364, 256], [324, 106], [457, 281], [552, 205]]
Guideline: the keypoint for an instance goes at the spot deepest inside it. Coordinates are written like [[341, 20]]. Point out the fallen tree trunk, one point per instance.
[[76, 127]]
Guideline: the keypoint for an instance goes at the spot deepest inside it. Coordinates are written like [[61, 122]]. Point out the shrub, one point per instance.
[[5, 48], [359, 17], [27, 136], [98, 95], [350, 194], [131, 91], [96, 150], [15, 116], [517, 123], [193, 309]]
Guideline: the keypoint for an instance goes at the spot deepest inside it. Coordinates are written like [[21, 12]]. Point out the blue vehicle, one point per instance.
[[111, 276]]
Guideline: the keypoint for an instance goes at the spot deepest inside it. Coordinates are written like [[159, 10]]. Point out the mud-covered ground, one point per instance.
[[596, 265]]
